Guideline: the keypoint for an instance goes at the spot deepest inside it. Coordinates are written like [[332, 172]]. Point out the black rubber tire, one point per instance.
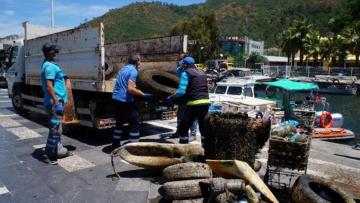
[[18, 102], [184, 189], [186, 171], [312, 189], [159, 83], [197, 200], [168, 69]]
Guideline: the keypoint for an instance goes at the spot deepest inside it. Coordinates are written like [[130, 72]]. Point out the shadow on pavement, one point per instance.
[[145, 174], [349, 157], [38, 154]]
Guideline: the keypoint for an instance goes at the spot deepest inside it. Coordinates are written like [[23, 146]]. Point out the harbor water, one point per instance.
[[349, 107]]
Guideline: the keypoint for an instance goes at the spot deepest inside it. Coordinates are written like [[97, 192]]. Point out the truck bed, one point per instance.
[[90, 63]]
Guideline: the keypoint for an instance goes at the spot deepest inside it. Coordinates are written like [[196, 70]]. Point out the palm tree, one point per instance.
[[312, 46], [302, 31], [333, 48], [352, 35], [288, 44], [295, 37]]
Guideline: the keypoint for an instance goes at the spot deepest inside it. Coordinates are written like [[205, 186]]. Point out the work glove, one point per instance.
[[170, 101], [148, 96], [59, 109]]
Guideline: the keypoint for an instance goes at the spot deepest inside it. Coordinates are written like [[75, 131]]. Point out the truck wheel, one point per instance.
[[157, 82], [313, 189], [18, 103], [185, 171]]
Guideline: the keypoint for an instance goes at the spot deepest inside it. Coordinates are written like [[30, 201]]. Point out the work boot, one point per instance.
[[49, 159], [192, 138]]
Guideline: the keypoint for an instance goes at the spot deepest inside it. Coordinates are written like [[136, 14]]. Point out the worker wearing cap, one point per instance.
[[193, 89], [53, 82], [123, 95], [181, 104]]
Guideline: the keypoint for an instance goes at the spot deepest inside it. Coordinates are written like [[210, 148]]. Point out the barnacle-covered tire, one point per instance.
[[185, 171], [184, 189]]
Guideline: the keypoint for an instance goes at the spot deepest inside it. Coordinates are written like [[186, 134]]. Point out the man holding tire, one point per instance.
[[54, 83], [193, 89], [123, 95]]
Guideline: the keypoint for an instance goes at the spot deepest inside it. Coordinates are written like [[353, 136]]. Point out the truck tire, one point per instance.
[[18, 102], [184, 189], [168, 69], [312, 189], [159, 83], [185, 171]]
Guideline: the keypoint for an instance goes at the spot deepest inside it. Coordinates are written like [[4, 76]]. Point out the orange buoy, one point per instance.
[[326, 116]]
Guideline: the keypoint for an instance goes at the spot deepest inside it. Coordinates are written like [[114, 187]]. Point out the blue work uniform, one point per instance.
[[125, 107], [52, 71]]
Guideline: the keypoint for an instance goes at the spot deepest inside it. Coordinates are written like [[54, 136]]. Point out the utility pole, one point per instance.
[[52, 14]]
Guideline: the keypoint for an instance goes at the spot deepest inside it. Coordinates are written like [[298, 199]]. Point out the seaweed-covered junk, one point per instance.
[[234, 136]]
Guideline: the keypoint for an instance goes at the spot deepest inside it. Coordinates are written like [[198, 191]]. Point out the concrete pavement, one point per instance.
[[88, 177]]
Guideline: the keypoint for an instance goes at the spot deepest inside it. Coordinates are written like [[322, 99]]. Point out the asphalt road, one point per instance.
[[88, 176]]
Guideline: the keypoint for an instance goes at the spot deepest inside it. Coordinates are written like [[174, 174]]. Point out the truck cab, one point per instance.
[[16, 68]]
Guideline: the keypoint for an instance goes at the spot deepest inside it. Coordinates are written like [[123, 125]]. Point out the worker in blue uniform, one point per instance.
[[123, 95], [53, 82], [193, 88], [182, 105]]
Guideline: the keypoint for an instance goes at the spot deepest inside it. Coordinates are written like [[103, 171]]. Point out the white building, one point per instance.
[[252, 46]]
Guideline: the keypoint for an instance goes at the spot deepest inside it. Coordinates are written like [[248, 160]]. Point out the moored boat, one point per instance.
[[333, 134]]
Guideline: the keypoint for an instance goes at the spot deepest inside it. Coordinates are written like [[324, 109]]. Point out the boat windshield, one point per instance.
[[220, 90], [248, 92], [234, 90]]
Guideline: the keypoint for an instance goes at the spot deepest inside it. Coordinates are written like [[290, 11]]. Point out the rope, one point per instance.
[[115, 153]]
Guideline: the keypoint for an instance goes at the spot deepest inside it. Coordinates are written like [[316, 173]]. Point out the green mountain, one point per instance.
[[258, 19]]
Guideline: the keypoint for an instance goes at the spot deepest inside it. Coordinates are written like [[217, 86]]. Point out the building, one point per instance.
[[235, 46], [252, 46]]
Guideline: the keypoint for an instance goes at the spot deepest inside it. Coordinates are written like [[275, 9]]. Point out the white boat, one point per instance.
[[239, 92]]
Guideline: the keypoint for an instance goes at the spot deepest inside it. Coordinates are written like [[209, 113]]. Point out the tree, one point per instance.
[[256, 59], [312, 46], [301, 31], [352, 38], [295, 37], [204, 31], [288, 45]]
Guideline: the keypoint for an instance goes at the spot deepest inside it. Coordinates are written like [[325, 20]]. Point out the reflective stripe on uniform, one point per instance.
[[198, 102], [54, 122], [116, 137], [117, 131]]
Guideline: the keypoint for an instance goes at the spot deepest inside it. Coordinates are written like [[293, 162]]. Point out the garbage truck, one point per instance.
[[92, 66]]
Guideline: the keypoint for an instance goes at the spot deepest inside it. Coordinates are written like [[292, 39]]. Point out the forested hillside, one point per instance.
[[258, 19]]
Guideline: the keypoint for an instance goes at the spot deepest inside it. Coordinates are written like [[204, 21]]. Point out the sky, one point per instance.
[[68, 13]]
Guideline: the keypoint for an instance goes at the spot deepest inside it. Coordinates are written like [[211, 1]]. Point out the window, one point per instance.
[[235, 90], [248, 92], [220, 90]]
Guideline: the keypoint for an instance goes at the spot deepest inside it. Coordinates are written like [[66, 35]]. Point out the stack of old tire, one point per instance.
[[185, 182], [192, 182]]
